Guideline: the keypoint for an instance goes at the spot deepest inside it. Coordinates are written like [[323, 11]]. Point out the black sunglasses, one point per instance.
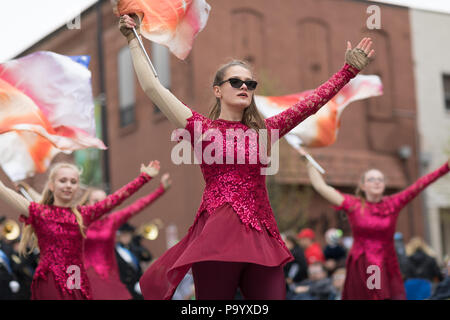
[[237, 83]]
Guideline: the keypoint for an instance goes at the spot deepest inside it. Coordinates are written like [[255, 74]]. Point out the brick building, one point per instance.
[[294, 45]]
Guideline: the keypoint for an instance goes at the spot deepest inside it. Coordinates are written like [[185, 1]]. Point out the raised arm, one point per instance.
[[319, 184], [173, 109], [122, 216], [14, 200], [356, 59], [95, 211], [402, 198]]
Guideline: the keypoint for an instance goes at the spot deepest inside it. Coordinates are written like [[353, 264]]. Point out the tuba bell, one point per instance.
[[151, 229], [10, 230]]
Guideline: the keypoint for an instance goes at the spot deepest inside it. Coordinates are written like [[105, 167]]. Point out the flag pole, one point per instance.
[[146, 55], [314, 163], [310, 159], [25, 194]]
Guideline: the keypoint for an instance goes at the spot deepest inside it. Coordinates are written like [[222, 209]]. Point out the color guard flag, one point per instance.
[[320, 129], [46, 107], [173, 23]]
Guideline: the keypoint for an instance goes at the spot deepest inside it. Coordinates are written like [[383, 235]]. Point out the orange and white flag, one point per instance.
[[173, 23], [321, 129], [46, 107]]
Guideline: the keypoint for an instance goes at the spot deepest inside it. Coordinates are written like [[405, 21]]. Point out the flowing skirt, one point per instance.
[[361, 282], [220, 236], [107, 289]]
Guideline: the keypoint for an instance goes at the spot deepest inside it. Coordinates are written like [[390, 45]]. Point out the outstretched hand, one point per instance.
[[361, 55], [166, 181], [152, 169], [364, 45]]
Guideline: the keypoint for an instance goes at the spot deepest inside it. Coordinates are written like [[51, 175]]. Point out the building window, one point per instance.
[[446, 79], [161, 62], [127, 98]]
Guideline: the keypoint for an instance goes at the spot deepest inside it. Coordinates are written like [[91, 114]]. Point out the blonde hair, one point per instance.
[[28, 242], [417, 243]]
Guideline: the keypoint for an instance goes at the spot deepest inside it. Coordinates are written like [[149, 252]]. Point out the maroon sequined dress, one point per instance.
[[373, 243], [99, 255], [60, 274], [235, 222]]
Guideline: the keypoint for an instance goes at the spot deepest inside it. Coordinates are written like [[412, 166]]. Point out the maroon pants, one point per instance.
[[217, 280]]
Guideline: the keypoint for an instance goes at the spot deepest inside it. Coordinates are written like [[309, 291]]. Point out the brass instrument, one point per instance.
[[151, 229], [10, 230]]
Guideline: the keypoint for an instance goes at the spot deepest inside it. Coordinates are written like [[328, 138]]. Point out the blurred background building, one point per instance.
[[431, 41]]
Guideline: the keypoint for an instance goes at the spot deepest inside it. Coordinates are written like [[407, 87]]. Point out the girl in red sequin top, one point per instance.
[[58, 227], [234, 241], [373, 272], [99, 254]]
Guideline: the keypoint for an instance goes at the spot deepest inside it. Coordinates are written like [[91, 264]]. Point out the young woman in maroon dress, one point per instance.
[[99, 255], [373, 218], [234, 241], [57, 227]]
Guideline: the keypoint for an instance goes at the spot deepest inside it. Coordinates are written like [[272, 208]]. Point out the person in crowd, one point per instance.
[[338, 280], [313, 251], [401, 253], [421, 263], [129, 265], [297, 270], [334, 252], [317, 287], [442, 290]]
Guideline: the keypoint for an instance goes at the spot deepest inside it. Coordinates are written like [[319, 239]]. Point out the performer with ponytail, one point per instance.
[[373, 218], [234, 240], [99, 255], [58, 228]]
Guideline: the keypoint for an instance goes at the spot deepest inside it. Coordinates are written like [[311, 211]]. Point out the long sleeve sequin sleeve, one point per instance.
[[95, 211], [402, 198], [122, 216], [290, 118], [171, 107]]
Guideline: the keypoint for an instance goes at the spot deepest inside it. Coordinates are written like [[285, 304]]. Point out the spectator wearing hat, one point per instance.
[[129, 265], [313, 251]]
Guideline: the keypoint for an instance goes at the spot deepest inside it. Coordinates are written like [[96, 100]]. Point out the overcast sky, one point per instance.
[[24, 22]]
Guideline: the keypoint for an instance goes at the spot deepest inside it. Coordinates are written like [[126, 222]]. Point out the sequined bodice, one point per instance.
[[60, 240], [231, 165]]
